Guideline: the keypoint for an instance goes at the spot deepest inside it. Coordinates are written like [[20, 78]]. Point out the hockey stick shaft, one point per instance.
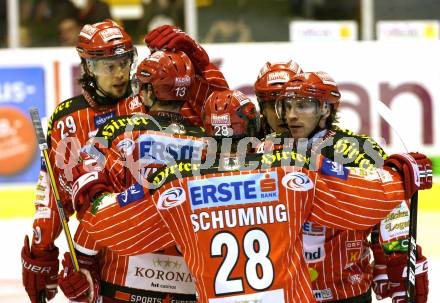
[[412, 250], [44, 149], [387, 115]]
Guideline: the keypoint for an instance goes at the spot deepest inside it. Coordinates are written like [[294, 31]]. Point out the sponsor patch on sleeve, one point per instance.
[[132, 194], [101, 119], [333, 169], [43, 213]]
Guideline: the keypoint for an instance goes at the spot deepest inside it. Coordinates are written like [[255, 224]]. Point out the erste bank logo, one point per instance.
[[158, 149], [233, 190], [171, 198], [297, 181]]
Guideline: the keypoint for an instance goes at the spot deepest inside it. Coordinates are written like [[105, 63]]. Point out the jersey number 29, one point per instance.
[[67, 127]]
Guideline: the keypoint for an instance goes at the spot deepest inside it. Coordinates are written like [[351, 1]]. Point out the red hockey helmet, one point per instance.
[[103, 39], [230, 113], [317, 86], [169, 73], [272, 77]]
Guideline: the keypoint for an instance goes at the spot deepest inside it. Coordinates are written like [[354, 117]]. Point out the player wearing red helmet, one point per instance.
[[316, 96], [167, 79], [138, 145], [230, 113], [168, 37], [107, 55], [239, 227], [267, 88], [339, 260]]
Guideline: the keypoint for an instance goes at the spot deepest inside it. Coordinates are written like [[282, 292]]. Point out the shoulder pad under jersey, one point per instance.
[[359, 150], [65, 108], [183, 169], [117, 126], [179, 128]]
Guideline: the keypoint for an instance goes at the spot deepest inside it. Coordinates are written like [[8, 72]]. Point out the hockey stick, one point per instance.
[[44, 149], [387, 115]]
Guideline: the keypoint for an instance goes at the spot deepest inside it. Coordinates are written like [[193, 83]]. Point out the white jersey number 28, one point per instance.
[[256, 247]]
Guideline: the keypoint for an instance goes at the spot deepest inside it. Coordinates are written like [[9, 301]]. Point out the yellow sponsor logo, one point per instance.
[[113, 125], [174, 170], [278, 155]]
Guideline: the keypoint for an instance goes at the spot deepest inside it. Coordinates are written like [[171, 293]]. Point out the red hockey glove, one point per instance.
[[397, 272], [89, 181], [415, 169], [82, 286], [159, 37], [39, 272], [380, 276], [173, 38]]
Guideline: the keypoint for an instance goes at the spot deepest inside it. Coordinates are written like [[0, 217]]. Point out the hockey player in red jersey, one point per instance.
[[135, 146], [267, 88], [107, 56], [239, 226], [169, 37], [339, 260]]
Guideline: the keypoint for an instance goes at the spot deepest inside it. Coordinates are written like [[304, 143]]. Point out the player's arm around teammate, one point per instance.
[[165, 80]]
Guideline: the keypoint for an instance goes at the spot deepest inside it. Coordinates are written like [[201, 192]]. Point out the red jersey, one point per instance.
[[338, 260], [240, 232], [71, 125], [121, 274], [146, 275]]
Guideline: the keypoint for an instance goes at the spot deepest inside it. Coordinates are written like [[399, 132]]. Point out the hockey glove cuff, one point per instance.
[[415, 169], [82, 286], [397, 273], [380, 275], [39, 272]]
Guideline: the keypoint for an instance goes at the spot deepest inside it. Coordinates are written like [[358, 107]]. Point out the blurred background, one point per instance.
[[375, 50]]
